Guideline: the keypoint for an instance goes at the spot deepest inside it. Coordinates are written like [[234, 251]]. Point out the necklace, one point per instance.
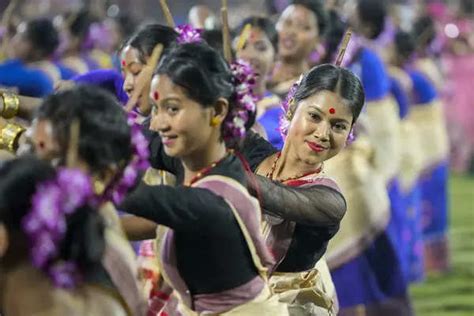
[[272, 171], [204, 171]]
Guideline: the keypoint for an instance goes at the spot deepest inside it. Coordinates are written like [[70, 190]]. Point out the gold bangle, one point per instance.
[[9, 136], [11, 104]]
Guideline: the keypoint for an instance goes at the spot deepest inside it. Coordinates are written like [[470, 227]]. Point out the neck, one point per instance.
[[33, 298], [260, 88], [199, 160], [290, 165], [290, 68]]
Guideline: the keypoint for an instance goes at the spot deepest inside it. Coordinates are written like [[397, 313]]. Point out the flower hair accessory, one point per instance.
[[117, 190], [188, 34], [286, 106], [235, 123], [45, 224]]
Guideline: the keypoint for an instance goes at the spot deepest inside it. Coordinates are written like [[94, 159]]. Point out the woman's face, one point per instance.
[[298, 33], [259, 52], [184, 125], [131, 67], [319, 127]]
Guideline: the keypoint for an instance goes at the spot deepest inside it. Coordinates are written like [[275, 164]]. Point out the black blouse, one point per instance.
[[317, 210], [212, 254]]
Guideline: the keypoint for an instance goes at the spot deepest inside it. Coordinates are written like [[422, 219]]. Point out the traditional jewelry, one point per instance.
[[9, 136], [272, 171], [11, 104], [204, 171]]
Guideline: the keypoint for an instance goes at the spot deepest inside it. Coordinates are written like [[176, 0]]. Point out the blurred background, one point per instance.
[[446, 292]]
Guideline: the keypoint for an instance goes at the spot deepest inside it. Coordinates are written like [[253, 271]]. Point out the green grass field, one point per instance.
[[453, 294]]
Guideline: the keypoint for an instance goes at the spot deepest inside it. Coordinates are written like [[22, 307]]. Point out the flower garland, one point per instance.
[[244, 81], [188, 34], [139, 162], [45, 225]]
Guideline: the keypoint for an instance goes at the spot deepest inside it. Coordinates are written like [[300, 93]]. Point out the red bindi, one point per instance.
[[332, 110], [156, 95], [124, 63]]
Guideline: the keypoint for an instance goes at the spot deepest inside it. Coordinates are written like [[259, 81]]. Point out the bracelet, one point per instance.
[[11, 104], [9, 136]]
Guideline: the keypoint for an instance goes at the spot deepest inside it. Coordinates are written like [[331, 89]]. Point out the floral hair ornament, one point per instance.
[[188, 34], [244, 81], [117, 190], [45, 224], [287, 107]]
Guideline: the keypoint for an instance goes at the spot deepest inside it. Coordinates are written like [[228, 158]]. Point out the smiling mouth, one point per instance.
[[316, 147], [168, 140]]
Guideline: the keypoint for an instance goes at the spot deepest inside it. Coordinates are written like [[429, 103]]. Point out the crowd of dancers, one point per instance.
[[296, 164]]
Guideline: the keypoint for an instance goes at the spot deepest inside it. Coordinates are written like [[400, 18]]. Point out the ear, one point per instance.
[[219, 111], [3, 240]]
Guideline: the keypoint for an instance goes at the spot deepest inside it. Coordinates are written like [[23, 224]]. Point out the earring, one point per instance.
[[215, 121]]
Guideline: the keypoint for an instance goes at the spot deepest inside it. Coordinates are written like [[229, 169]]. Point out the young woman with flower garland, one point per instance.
[[300, 28], [51, 243], [260, 51], [200, 108], [113, 153]]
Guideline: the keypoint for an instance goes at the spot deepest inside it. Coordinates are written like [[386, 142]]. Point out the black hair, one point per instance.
[[328, 77], [126, 23], [104, 139], [84, 239], [44, 37], [80, 24], [214, 39], [424, 31], [334, 35], [203, 74], [373, 13], [404, 45], [146, 38], [264, 24], [317, 7]]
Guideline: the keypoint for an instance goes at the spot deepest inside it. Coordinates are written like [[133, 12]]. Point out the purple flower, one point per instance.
[[64, 274], [244, 80], [188, 34]]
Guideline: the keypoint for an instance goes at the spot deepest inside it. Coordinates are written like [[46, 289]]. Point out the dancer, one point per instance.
[[260, 49], [196, 108], [55, 263]]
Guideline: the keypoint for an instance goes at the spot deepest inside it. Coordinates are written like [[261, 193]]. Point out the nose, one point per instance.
[[129, 83], [159, 122], [323, 131]]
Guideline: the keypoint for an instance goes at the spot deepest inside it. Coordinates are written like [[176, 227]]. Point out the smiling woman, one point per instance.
[[198, 114], [300, 28]]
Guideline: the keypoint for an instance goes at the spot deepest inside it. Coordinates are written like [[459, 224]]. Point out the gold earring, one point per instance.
[[99, 186], [215, 121]]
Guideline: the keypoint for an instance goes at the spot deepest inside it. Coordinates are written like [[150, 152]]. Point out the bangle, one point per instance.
[[9, 136], [11, 104]]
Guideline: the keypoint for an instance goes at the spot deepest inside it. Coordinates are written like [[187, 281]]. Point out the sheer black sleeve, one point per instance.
[[256, 149], [316, 205], [180, 208]]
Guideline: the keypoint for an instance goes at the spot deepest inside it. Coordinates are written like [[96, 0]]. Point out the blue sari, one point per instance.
[[434, 178], [29, 81], [411, 237], [373, 280]]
